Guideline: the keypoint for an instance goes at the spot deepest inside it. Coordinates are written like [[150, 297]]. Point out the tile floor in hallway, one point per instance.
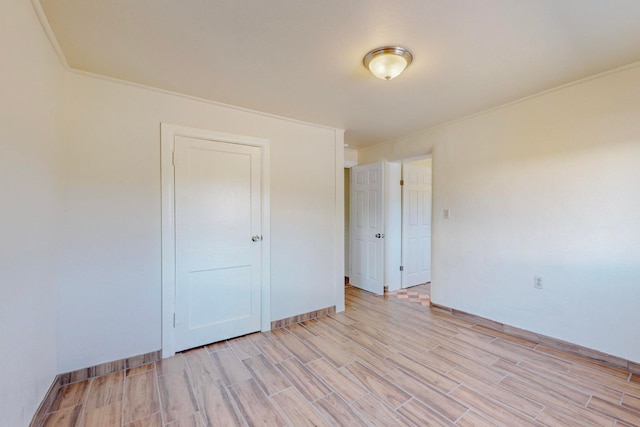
[[420, 294], [383, 362]]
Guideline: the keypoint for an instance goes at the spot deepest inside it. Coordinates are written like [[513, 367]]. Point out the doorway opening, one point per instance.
[[215, 234], [388, 225]]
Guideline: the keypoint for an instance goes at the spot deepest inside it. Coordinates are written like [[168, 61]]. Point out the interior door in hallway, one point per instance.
[[218, 240], [416, 225], [367, 227]]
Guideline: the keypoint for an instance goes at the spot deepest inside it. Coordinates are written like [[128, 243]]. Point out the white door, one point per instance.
[[217, 241], [367, 227], [416, 225]]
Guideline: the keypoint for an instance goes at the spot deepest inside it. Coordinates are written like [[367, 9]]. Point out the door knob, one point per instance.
[[379, 235], [256, 238]]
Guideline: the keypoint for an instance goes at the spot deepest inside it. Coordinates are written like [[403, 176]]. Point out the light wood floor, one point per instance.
[[383, 362]]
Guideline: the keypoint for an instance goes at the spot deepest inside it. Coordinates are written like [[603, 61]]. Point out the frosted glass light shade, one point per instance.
[[387, 62]]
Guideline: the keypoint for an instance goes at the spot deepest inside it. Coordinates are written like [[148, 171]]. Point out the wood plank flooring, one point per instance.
[[383, 362]]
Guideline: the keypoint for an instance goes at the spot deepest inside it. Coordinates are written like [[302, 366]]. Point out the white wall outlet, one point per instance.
[[537, 282], [446, 213]]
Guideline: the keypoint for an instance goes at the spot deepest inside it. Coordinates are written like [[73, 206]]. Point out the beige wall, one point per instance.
[[546, 187], [31, 87]]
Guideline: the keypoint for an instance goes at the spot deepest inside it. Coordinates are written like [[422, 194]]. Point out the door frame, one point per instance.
[[168, 132]]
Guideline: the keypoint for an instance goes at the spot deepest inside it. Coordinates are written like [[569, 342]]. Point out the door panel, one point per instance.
[[217, 211], [199, 293], [416, 225], [366, 222]]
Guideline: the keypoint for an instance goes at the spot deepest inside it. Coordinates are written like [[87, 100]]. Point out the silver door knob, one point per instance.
[[379, 235], [256, 238]]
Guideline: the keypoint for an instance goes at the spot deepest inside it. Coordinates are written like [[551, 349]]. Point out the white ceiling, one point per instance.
[[303, 59]]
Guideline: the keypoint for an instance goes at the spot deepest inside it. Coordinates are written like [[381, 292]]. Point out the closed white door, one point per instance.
[[367, 227], [416, 225], [217, 241]]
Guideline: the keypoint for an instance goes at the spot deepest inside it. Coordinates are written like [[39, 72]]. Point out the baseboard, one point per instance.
[[109, 367], [578, 350], [46, 402], [86, 373], [282, 323]]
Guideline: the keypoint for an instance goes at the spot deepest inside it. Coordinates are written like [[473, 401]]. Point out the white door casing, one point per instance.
[[416, 225], [367, 227], [215, 277]]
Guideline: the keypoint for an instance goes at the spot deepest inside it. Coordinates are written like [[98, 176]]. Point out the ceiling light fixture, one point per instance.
[[387, 62]]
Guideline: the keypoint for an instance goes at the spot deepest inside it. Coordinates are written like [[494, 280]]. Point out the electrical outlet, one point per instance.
[[537, 282]]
